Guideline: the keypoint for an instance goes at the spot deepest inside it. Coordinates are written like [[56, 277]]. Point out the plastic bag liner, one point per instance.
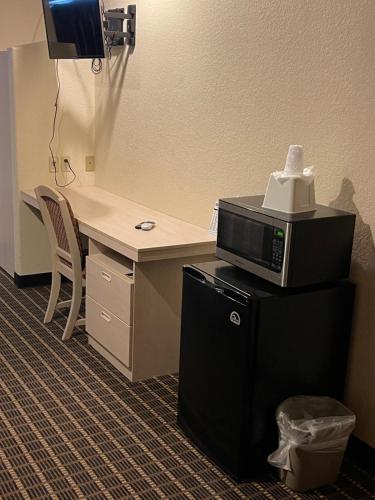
[[312, 423]]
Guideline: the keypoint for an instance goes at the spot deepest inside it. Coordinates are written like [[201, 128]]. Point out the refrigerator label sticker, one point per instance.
[[235, 318]]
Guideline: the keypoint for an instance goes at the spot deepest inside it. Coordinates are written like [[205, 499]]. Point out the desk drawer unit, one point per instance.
[[107, 329], [110, 288]]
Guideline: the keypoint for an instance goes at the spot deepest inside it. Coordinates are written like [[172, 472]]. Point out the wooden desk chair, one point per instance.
[[66, 254]]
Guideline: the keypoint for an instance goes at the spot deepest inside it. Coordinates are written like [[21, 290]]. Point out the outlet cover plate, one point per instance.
[[64, 165], [90, 163]]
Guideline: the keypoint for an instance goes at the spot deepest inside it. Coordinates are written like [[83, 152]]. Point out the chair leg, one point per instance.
[[74, 311], [54, 296]]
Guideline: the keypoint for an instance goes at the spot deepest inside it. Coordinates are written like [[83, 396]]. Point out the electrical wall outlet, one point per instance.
[[90, 163], [52, 169], [65, 162]]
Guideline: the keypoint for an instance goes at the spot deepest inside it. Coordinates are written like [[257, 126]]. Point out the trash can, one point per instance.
[[313, 434]]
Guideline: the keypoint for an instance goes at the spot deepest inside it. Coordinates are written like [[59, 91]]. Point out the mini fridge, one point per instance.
[[246, 345]]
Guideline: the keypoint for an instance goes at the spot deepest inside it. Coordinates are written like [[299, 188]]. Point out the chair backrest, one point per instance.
[[62, 229]]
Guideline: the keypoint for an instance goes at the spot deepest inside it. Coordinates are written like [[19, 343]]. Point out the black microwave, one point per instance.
[[290, 250]]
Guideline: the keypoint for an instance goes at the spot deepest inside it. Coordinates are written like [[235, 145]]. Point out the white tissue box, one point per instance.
[[290, 194]]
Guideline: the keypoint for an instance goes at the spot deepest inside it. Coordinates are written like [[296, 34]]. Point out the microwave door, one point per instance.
[[255, 246]]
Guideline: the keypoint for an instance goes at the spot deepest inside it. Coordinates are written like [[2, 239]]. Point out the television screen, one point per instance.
[[74, 29]]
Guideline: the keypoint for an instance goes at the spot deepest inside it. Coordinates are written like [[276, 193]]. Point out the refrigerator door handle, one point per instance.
[[206, 279], [232, 295], [209, 281], [194, 273]]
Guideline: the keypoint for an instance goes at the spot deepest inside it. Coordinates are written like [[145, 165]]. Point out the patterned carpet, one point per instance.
[[72, 427]]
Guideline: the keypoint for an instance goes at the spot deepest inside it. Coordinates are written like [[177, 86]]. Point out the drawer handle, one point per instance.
[[105, 316], [106, 277]]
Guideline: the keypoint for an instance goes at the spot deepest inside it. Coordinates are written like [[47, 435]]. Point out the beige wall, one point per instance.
[[34, 92], [20, 22], [206, 107], [212, 96]]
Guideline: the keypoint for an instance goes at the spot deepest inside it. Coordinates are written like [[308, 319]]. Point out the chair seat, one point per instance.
[[85, 253]]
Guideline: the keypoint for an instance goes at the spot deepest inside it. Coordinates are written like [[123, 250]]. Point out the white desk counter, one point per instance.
[[134, 279], [110, 219]]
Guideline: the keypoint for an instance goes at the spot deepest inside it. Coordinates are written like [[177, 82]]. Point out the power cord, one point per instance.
[[96, 66], [107, 39], [54, 120], [56, 106], [74, 174], [110, 44]]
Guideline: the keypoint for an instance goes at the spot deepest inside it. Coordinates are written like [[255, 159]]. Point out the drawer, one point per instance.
[[112, 333], [112, 289]]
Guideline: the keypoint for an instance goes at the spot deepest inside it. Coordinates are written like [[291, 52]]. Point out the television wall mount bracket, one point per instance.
[[114, 26]]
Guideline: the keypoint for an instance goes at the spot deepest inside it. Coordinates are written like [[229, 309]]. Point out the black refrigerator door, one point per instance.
[[215, 366]]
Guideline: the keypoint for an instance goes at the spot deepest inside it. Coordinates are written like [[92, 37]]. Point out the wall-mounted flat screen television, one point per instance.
[[74, 29]]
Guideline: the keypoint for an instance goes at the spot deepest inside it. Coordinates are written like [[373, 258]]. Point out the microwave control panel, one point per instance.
[[278, 244]]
